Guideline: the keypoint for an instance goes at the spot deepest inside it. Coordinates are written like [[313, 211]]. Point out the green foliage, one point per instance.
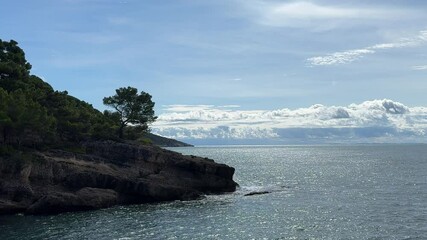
[[13, 65], [5, 120], [23, 120], [145, 141], [34, 115], [130, 108], [133, 132], [76, 120], [6, 150]]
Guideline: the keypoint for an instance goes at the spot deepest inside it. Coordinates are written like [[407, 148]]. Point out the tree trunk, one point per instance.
[[4, 135], [122, 127]]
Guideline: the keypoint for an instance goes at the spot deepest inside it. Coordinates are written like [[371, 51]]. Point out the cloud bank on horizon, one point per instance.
[[371, 121]]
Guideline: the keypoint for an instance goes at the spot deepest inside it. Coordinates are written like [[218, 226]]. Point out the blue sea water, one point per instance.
[[317, 192]]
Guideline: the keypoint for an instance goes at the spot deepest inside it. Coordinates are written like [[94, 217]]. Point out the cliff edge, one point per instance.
[[163, 141], [109, 173]]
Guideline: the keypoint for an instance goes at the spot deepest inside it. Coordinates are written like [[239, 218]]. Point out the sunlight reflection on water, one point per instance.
[[317, 192]]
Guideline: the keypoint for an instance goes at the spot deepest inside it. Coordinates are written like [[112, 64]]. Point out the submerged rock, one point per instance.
[[257, 193], [110, 173]]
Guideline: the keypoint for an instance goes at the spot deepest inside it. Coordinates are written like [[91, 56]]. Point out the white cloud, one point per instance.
[[370, 119], [352, 55], [230, 106], [186, 108], [340, 57], [307, 10], [308, 14], [421, 67]]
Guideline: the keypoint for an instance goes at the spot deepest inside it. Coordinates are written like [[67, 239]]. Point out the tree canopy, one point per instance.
[[33, 114], [13, 65], [130, 108]]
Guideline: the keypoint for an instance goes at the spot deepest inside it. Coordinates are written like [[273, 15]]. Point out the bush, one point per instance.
[[6, 151]]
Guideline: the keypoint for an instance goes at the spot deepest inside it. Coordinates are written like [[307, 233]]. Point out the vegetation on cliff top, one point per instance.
[[33, 114], [130, 107]]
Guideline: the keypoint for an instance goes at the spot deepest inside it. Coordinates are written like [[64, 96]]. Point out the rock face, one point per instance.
[[110, 173]]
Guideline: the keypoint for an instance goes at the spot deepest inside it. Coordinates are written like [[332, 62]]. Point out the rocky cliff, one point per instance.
[[110, 173]]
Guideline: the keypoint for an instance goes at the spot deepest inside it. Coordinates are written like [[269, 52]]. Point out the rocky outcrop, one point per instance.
[[110, 173], [164, 142], [257, 193]]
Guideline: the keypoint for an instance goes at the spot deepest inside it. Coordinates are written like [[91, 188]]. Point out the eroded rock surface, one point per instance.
[[110, 173]]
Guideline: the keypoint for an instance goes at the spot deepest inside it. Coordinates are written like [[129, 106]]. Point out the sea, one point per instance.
[[315, 192]]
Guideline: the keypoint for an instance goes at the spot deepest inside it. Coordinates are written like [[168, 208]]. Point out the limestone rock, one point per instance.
[[110, 173]]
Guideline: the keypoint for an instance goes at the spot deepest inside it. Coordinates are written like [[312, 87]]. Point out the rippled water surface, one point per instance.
[[317, 192]]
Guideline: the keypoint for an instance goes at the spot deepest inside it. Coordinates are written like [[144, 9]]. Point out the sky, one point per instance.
[[240, 71]]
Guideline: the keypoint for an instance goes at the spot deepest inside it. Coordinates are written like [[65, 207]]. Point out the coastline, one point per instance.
[[109, 174]]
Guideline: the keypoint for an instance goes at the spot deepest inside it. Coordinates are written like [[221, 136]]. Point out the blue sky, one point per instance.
[[238, 58]]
